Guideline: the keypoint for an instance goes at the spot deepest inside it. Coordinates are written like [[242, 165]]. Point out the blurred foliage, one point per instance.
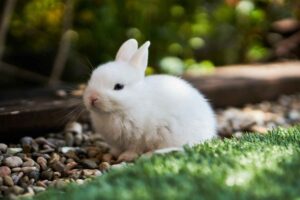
[[186, 35]]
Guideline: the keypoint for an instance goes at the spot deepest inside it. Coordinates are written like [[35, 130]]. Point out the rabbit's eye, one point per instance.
[[118, 86]]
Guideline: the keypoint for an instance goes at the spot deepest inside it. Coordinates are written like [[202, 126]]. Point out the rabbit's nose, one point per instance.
[[93, 100]]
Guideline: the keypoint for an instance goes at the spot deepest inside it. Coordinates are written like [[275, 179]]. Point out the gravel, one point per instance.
[[77, 154]]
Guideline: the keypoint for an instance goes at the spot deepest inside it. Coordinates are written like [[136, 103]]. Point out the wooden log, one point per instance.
[[37, 112]]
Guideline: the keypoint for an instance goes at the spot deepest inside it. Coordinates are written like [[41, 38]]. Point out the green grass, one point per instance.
[[253, 167]]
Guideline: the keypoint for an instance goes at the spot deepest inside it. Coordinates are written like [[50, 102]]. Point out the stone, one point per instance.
[[42, 162], [3, 147], [17, 190], [58, 166], [26, 143], [69, 139], [16, 177], [7, 180], [34, 174], [28, 169], [107, 157], [28, 163], [12, 151], [73, 127], [89, 163], [104, 166], [13, 161], [38, 189], [48, 175], [5, 171]]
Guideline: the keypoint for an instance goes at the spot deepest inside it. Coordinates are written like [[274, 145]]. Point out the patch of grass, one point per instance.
[[253, 167]]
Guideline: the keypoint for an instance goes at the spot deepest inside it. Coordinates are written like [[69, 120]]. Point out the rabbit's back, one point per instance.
[[175, 102]]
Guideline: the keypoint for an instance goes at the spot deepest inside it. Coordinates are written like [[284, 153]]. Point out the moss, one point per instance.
[[253, 167]]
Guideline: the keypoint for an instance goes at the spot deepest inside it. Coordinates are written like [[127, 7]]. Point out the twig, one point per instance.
[[8, 11], [64, 45]]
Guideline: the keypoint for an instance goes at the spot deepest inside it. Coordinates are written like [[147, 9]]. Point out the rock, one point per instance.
[[28, 169], [71, 165], [65, 150], [7, 180], [104, 166], [38, 189], [88, 172], [58, 166], [43, 141], [3, 147], [59, 183], [74, 173], [12, 151], [80, 181], [28, 163], [13, 161], [119, 166], [69, 139], [54, 157], [107, 157], [26, 143], [16, 177], [42, 162], [89, 163], [78, 139], [74, 127], [41, 184], [4, 171], [16, 169], [294, 115], [92, 152], [35, 174], [4, 189], [17, 190], [56, 175], [48, 175]]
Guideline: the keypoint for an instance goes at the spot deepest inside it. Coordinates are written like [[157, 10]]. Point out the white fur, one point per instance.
[[151, 112]]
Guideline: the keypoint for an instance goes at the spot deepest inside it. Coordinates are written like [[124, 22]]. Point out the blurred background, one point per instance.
[[51, 41]]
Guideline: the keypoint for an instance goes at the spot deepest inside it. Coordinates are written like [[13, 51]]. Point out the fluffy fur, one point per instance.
[[149, 113]]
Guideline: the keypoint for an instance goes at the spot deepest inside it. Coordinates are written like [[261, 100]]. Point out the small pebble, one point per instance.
[[3, 147], [12, 151], [26, 143], [107, 157], [89, 163], [28, 163], [13, 161], [7, 180], [42, 162], [104, 166], [17, 190], [28, 169], [74, 127], [38, 189], [16, 177], [58, 166], [35, 174], [47, 175], [4, 171]]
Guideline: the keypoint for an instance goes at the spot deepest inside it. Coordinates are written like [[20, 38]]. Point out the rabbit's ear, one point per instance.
[[140, 58], [127, 50]]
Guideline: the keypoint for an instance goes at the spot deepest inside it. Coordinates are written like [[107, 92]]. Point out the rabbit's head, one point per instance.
[[112, 86]]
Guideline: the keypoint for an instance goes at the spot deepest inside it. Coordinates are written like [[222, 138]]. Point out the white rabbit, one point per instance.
[[137, 114]]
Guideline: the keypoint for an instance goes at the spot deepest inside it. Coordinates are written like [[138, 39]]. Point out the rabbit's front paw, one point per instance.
[[127, 156]]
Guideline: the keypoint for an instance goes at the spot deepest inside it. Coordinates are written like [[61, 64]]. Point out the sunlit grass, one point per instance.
[[253, 167]]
